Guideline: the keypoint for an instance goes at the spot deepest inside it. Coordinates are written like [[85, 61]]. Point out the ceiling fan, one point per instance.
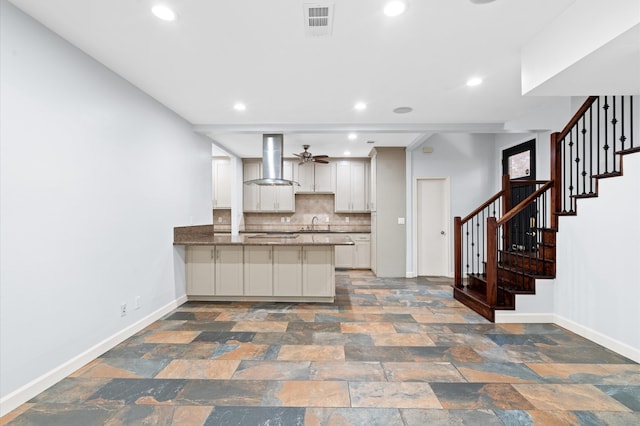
[[306, 157]]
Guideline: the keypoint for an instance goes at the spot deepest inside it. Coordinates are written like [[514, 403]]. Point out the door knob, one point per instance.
[[441, 232]]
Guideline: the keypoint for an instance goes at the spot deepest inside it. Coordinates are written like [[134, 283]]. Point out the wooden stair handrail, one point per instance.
[[484, 205], [577, 116], [524, 203]]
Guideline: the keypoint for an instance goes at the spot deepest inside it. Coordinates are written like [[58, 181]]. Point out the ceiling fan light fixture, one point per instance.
[[352, 136], [163, 12]]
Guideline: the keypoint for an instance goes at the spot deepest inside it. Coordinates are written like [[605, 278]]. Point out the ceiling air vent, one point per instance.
[[318, 18]]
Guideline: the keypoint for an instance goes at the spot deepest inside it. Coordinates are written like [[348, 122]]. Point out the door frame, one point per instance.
[[447, 208]]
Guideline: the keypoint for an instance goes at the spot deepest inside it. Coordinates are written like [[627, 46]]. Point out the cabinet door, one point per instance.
[[285, 199], [258, 271], [344, 256], [222, 183], [362, 257], [357, 187], [268, 198], [372, 184], [343, 187], [324, 178], [200, 271], [287, 271], [318, 271], [305, 177], [229, 271], [251, 193]]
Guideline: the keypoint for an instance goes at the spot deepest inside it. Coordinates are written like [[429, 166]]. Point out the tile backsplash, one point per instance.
[[307, 206]]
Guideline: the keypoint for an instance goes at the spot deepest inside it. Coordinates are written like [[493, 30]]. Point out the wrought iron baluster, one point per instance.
[[623, 138], [631, 121], [584, 154], [606, 136], [571, 171], [591, 149], [598, 130], [614, 121]]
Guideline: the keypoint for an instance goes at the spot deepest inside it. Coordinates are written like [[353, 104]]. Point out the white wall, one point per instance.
[[470, 161], [94, 176], [597, 286]]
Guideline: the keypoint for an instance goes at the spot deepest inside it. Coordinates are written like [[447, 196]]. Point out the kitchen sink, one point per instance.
[[279, 235]]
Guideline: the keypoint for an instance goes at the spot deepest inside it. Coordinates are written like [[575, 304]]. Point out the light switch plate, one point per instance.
[[401, 221]]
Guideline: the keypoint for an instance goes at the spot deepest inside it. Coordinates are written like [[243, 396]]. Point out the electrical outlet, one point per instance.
[[288, 220], [326, 219], [346, 219], [282, 220], [123, 309], [219, 219], [137, 302]]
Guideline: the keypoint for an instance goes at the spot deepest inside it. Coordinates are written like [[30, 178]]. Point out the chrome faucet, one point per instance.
[[313, 222]]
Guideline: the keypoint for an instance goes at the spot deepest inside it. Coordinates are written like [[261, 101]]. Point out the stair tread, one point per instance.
[[606, 175], [628, 150], [526, 273], [587, 195]]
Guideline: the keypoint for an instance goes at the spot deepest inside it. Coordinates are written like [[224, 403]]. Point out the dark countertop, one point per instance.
[[204, 235]]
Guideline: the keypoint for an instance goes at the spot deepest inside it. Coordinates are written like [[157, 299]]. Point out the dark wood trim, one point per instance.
[[457, 248], [492, 261], [468, 217], [524, 203], [577, 116], [556, 174]]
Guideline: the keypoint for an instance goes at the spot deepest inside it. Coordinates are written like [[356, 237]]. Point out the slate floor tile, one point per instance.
[[389, 351], [473, 396], [353, 416], [256, 416], [392, 395], [568, 397]]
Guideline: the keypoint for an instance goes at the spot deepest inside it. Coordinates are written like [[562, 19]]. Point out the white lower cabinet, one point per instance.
[[318, 271], [357, 256], [269, 272], [258, 271], [287, 271], [200, 271], [229, 270]]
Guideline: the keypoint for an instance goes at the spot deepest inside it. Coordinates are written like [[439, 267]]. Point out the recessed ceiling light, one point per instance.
[[482, 1], [395, 8], [239, 106], [347, 153], [475, 81], [352, 136], [360, 106], [163, 12], [402, 110]]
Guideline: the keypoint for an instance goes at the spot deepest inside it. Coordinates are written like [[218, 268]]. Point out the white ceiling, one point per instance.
[[255, 51]]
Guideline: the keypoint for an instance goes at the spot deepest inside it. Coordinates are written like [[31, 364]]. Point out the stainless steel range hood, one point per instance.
[[272, 162]]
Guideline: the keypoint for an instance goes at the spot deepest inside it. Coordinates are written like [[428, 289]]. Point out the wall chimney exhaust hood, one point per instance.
[[272, 162]]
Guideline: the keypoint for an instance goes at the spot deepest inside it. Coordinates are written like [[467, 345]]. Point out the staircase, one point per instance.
[[501, 250]]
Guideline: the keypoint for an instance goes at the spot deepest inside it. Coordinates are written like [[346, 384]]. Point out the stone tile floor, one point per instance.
[[388, 352]]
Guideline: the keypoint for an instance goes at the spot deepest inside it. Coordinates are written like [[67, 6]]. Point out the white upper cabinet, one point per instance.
[[351, 186], [221, 183], [259, 198], [251, 193], [315, 177]]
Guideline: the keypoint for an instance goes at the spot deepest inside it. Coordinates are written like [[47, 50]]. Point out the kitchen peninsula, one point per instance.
[[276, 267]]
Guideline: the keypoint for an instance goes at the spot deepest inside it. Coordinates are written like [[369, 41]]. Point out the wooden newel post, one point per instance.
[[457, 251], [492, 261], [556, 173]]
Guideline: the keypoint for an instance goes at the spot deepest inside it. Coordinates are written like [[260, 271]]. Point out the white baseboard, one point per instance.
[[599, 338], [506, 317], [40, 384], [410, 274]]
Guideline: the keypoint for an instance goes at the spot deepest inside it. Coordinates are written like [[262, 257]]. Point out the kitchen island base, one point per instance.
[[261, 273]]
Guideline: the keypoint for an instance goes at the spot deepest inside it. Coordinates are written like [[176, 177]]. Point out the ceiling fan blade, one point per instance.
[[298, 155], [320, 156], [316, 160]]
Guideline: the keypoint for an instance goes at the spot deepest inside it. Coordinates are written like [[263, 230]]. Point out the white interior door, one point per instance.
[[432, 222]]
